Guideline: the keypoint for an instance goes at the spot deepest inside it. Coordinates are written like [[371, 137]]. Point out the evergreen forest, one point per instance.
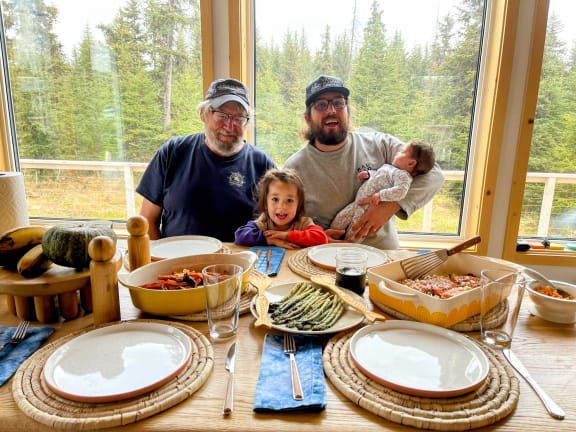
[[119, 99]]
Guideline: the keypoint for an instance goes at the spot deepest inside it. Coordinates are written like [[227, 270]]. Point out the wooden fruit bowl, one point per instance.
[[57, 293]]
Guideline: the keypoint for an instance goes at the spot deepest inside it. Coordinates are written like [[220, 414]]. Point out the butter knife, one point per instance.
[[230, 366], [553, 409], [269, 263]]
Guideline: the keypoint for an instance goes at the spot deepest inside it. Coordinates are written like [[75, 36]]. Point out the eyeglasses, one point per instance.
[[222, 117], [323, 104]]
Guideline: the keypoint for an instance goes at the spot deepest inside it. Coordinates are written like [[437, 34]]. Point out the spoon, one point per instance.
[[542, 279]]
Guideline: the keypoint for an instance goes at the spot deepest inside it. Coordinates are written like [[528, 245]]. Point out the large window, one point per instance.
[[425, 75], [413, 75], [96, 87]]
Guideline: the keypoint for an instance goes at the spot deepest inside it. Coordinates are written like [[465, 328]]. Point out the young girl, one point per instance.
[[282, 221]]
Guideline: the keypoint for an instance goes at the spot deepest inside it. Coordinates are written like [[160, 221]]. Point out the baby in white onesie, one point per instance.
[[387, 183]]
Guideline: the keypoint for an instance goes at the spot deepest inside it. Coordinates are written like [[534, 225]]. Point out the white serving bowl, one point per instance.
[[184, 301], [550, 308]]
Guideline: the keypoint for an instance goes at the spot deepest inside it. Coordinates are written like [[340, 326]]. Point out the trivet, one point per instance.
[[493, 401], [300, 264], [38, 402]]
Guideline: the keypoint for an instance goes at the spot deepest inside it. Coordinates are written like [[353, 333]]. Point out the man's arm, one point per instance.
[[152, 212]]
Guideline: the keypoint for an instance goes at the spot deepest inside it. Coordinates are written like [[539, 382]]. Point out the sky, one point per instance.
[[75, 15]]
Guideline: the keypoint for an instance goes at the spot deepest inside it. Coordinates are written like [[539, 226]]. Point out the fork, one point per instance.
[[290, 348], [19, 334]]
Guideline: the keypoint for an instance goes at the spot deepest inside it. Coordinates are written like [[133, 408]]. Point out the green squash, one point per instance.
[[67, 244]]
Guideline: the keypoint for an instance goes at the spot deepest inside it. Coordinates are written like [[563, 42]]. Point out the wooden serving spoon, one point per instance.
[[262, 282], [329, 282]]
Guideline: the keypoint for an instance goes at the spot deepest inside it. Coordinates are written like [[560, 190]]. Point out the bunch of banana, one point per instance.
[[33, 263], [15, 243]]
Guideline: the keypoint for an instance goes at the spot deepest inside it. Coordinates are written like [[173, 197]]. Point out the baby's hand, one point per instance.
[[363, 175], [374, 199]]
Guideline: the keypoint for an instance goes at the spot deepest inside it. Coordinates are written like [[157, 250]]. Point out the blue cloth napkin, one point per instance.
[[12, 356], [276, 257], [274, 387]]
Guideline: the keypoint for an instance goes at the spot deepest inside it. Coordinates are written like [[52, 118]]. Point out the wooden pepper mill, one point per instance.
[[104, 280], [138, 242]]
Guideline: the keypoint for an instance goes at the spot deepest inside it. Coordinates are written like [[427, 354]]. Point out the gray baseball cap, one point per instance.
[[324, 84], [228, 90]]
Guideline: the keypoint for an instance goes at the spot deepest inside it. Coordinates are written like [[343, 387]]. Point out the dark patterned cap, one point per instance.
[[228, 90], [323, 84]]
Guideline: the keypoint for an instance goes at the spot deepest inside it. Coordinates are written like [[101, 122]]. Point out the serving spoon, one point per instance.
[[542, 279]]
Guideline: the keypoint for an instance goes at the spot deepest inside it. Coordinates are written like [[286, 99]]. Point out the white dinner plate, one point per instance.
[[350, 317], [117, 362], [419, 359], [174, 247], [325, 255]]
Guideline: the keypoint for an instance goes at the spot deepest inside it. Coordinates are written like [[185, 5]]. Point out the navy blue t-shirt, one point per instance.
[[202, 193]]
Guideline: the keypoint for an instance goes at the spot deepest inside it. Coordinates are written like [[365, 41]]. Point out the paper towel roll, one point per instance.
[[13, 208]]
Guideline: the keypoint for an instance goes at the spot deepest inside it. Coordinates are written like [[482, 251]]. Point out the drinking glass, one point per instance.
[[222, 288], [497, 325]]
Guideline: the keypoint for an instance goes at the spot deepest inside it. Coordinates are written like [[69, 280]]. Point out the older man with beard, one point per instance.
[[328, 165], [204, 183]]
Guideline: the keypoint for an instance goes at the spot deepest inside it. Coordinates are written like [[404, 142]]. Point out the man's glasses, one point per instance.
[[222, 117], [323, 104]]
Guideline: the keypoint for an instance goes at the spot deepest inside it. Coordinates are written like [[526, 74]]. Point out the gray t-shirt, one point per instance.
[[330, 181]]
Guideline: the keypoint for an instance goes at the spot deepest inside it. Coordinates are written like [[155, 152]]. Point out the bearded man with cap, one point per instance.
[[204, 183], [334, 155]]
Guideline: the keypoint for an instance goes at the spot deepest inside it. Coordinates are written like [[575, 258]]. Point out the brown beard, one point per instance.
[[316, 134]]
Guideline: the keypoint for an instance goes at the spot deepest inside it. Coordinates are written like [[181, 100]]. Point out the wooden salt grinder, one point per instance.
[[104, 280], [138, 242]]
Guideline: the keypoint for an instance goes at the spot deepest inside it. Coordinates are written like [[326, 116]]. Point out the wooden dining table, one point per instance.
[[548, 351]]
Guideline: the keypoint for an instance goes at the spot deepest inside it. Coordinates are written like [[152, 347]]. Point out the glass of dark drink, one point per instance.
[[351, 269]]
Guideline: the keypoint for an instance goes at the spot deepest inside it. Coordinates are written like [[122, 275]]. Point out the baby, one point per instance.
[[387, 183]]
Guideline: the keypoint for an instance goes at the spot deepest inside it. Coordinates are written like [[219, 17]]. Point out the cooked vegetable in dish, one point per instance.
[[443, 286], [307, 307], [553, 292], [176, 281]]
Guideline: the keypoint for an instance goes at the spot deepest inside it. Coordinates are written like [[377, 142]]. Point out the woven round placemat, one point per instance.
[[495, 317], [245, 300], [300, 264], [494, 400], [36, 400]]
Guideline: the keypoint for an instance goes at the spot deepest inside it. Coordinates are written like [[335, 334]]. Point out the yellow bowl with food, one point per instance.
[[180, 300], [556, 304]]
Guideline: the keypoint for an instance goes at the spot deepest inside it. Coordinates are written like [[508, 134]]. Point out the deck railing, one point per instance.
[[550, 180]]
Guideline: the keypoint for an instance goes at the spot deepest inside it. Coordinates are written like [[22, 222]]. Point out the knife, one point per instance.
[[230, 366], [553, 409], [269, 263]]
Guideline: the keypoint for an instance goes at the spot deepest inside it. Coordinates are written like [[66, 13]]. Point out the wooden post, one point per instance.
[[104, 280], [138, 242]]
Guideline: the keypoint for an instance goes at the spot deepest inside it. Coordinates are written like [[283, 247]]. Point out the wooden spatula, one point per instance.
[[420, 265], [330, 283]]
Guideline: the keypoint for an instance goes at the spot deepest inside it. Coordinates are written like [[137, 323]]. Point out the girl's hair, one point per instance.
[[285, 175]]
